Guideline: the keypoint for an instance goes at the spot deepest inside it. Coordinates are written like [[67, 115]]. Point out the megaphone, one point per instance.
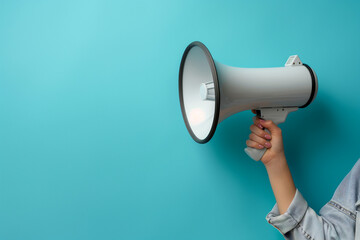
[[210, 92]]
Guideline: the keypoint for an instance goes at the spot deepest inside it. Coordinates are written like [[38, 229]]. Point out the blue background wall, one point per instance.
[[92, 141]]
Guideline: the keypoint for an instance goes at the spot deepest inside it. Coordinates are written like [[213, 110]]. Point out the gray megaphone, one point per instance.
[[210, 92]]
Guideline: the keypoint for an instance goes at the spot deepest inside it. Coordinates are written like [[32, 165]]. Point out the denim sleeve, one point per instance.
[[336, 220], [301, 222]]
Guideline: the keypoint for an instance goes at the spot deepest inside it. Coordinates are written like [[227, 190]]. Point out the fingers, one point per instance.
[[259, 140], [270, 125], [251, 143], [260, 132]]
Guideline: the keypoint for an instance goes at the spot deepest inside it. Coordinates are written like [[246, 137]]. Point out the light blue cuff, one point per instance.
[[291, 218]]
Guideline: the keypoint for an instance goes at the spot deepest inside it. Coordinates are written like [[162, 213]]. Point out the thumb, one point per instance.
[[273, 128]]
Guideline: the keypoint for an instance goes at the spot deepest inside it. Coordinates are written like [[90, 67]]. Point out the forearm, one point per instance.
[[281, 182]]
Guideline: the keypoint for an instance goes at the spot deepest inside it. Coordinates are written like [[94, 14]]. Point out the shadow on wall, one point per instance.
[[310, 134]]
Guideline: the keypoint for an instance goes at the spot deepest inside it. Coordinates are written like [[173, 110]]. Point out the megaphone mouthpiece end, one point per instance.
[[207, 91]]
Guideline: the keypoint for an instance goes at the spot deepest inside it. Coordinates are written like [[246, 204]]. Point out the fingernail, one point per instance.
[[267, 144], [261, 146], [260, 126], [267, 136]]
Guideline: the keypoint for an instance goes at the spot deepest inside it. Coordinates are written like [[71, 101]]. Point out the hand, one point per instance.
[[260, 139]]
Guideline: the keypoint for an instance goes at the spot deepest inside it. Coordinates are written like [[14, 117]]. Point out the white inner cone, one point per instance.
[[198, 92]]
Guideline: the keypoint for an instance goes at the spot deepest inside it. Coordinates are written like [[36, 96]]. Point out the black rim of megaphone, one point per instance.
[[217, 91]]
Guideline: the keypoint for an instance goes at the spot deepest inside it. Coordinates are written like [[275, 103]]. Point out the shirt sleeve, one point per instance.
[[301, 222], [291, 218]]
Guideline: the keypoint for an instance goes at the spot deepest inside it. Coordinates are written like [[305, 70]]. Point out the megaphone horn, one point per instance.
[[210, 92]]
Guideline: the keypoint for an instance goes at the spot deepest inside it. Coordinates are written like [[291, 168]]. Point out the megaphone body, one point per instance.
[[210, 92]]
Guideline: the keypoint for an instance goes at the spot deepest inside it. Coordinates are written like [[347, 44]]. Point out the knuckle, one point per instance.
[[249, 143], [277, 130], [252, 127], [260, 134], [271, 124], [257, 139]]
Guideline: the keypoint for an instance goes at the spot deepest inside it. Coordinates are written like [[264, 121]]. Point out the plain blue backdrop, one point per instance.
[[92, 141]]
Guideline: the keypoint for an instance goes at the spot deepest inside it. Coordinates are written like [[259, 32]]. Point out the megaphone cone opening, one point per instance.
[[200, 117]]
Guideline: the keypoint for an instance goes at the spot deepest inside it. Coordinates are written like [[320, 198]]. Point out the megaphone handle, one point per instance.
[[277, 115]]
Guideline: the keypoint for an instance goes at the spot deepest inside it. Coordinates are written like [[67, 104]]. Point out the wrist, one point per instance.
[[275, 162], [281, 182]]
